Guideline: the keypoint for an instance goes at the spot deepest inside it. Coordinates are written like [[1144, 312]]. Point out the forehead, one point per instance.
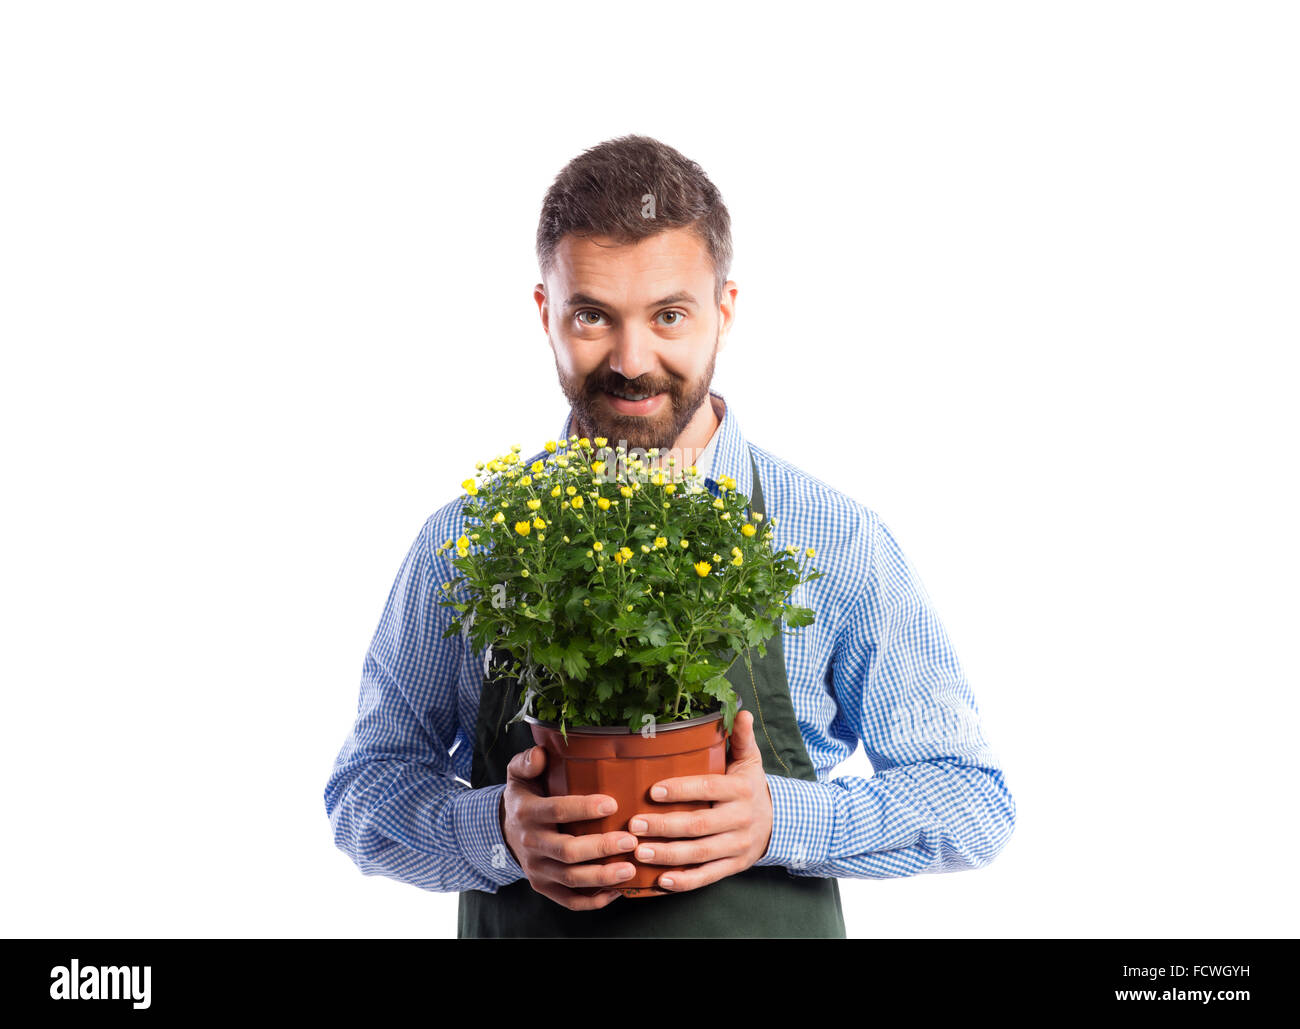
[[668, 262]]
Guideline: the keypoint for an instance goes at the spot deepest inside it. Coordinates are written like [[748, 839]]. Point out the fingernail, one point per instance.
[[637, 825], [659, 792], [608, 807], [665, 881], [645, 854], [627, 843], [627, 872]]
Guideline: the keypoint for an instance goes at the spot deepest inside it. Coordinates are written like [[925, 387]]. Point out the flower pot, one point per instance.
[[622, 763]]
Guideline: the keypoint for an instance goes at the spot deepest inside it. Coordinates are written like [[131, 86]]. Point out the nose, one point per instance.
[[632, 355]]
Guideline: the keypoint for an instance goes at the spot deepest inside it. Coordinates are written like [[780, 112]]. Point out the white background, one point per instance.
[[1021, 277]]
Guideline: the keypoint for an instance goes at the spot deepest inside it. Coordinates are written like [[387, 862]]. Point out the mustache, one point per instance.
[[623, 386]]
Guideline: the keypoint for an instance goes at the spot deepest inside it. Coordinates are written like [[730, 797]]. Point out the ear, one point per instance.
[[726, 314], [539, 295]]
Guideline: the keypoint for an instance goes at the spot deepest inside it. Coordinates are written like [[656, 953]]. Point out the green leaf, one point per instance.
[[719, 687], [575, 661], [796, 616], [655, 632]]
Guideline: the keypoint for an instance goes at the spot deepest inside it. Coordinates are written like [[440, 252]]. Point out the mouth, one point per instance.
[[635, 403]]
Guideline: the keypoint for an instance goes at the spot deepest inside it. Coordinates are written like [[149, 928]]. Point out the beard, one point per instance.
[[594, 417]]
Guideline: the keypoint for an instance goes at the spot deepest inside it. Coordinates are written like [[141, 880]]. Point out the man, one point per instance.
[[634, 248]]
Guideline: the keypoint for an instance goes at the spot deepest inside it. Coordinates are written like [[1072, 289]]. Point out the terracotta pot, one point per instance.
[[621, 763]]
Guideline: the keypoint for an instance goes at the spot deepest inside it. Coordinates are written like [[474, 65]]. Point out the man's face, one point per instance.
[[634, 319]]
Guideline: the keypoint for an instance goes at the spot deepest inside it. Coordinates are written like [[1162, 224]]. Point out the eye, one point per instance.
[[581, 316], [677, 318]]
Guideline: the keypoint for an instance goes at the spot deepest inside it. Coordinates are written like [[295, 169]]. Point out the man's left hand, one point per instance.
[[723, 839]]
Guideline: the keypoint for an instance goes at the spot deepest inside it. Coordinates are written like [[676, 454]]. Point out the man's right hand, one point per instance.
[[554, 861]]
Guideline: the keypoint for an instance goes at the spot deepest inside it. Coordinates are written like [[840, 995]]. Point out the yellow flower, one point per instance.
[[570, 490], [597, 466], [598, 546], [550, 446], [462, 552], [670, 488], [661, 542], [586, 602], [524, 573], [523, 528], [515, 448], [644, 549], [629, 607], [625, 490], [562, 461], [584, 443], [716, 559], [566, 539], [810, 551], [792, 549], [747, 530], [555, 492], [703, 568], [620, 558], [463, 541], [603, 503], [657, 479], [717, 502], [735, 550], [738, 560], [498, 517], [539, 523], [601, 441], [727, 482], [685, 544], [469, 487], [525, 480], [756, 515], [576, 501], [534, 504], [536, 467]]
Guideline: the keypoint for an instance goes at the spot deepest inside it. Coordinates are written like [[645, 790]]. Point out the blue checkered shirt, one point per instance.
[[876, 666]]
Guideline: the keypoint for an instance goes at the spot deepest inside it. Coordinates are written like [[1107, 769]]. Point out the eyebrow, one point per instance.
[[680, 297]]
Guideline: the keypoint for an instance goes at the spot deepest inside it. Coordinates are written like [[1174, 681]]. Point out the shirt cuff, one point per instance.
[[477, 820], [803, 822]]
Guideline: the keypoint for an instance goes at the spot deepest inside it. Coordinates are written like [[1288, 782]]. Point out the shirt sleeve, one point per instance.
[[393, 801], [937, 800]]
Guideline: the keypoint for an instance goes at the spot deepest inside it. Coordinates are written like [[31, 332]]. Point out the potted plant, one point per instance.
[[621, 594]]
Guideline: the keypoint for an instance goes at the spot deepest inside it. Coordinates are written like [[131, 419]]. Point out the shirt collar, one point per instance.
[[730, 449]]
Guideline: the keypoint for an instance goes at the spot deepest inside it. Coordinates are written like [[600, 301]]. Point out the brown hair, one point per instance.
[[600, 193]]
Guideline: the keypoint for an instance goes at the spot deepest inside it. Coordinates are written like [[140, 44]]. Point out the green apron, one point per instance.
[[765, 901]]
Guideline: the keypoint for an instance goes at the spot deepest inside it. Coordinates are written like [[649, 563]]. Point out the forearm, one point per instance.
[[941, 815], [400, 820]]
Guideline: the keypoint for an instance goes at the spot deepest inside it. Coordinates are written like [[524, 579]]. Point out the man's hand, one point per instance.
[[728, 837], [552, 860]]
